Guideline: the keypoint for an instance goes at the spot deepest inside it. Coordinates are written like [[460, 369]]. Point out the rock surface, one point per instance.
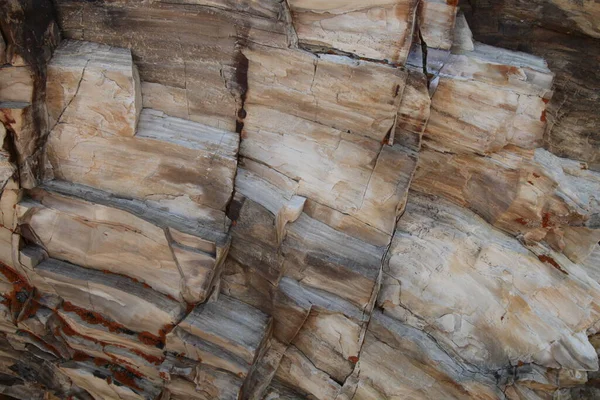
[[260, 200]]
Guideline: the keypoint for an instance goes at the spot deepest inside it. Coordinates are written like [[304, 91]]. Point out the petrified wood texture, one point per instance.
[[260, 200]]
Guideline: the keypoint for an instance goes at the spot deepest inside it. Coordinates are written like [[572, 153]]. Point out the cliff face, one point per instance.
[[267, 199]]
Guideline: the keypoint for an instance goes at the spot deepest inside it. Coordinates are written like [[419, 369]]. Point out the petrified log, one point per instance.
[[260, 200]]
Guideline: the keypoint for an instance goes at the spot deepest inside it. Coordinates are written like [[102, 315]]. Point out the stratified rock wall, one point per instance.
[[268, 199]]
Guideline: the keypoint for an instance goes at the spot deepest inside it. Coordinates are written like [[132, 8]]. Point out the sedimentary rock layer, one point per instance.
[[295, 200]]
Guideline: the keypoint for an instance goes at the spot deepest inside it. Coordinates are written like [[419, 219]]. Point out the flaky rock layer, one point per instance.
[[343, 200]]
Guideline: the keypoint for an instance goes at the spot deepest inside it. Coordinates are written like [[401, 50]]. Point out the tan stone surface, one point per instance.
[[380, 30]]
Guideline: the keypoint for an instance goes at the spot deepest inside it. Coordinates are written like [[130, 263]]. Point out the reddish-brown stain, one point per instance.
[[453, 3], [93, 318], [189, 307], [546, 220], [8, 118], [543, 116], [10, 274], [101, 362], [536, 175], [546, 101], [15, 299], [144, 284], [520, 363], [353, 359], [126, 377], [79, 356], [531, 183], [151, 359], [522, 221], [149, 339], [67, 330], [549, 260]]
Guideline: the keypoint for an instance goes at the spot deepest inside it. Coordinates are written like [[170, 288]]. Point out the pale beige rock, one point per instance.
[[89, 235], [354, 175], [116, 297], [530, 194], [211, 384], [488, 99], [9, 198], [104, 335], [16, 84], [194, 46], [172, 101], [436, 22], [178, 165], [463, 37], [7, 170], [331, 342], [533, 305], [297, 371], [413, 113], [319, 292], [584, 14], [380, 30], [352, 96], [278, 236], [398, 361], [94, 85], [225, 334]]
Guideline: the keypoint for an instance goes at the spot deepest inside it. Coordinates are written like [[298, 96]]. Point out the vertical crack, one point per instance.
[[424, 55]]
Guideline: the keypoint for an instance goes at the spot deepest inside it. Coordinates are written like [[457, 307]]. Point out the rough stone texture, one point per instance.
[[80, 75], [566, 34], [380, 30], [298, 200]]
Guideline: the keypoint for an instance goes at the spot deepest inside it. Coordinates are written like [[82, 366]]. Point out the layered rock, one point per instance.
[[380, 30], [290, 200], [566, 35]]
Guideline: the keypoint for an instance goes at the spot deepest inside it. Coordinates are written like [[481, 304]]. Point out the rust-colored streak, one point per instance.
[[353, 359], [94, 318], [151, 359], [521, 221], [149, 339], [16, 299], [79, 356], [549, 260], [546, 220], [126, 377]]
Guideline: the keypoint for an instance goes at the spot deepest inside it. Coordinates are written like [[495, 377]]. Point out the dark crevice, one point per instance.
[[424, 56]]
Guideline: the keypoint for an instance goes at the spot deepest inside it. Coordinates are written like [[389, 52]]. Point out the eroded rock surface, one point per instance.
[[295, 200]]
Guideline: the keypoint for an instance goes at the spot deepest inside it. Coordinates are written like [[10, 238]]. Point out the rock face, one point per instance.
[[344, 200]]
